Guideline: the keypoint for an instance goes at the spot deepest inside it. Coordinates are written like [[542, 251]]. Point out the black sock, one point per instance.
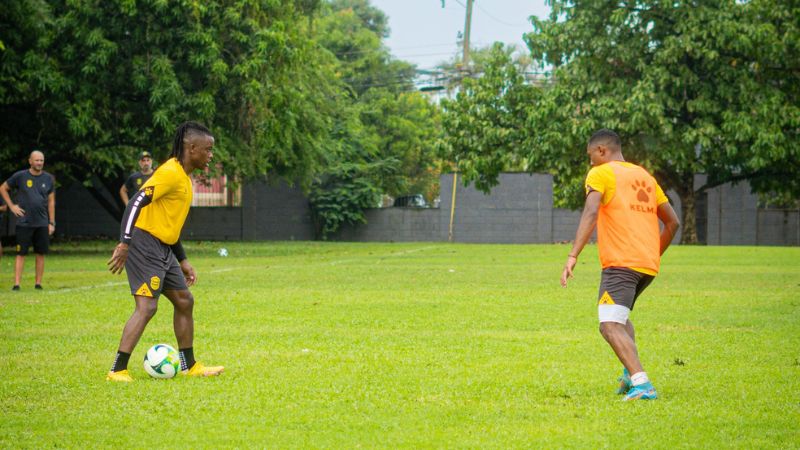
[[121, 361], [187, 358]]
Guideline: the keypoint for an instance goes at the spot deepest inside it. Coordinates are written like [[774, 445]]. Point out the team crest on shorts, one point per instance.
[[606, 299], [155, 283]]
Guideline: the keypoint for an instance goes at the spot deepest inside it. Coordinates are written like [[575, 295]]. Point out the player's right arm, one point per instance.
[[584, 233], [15, 209], [142, 198], [123, 194]]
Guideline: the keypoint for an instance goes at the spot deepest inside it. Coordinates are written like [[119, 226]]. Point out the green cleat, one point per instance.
[[625, 384], [644, 391]]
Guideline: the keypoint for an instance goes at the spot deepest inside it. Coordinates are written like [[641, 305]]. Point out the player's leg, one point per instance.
[[176, 290], [616, 334], [618, 291], [144, 270], [24, 236], [39, 270], [19, 264], [182, 320], [144, 310], [624, 380], [41, 245]]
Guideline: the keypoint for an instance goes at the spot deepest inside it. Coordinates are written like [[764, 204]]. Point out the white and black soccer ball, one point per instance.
[[162, 361]]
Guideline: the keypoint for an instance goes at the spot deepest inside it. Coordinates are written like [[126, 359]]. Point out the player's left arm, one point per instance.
[[51, 211], [671, 224], [186, 267], [668, 217]]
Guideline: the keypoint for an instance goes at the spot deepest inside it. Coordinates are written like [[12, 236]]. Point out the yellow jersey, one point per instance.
[[170, 193]]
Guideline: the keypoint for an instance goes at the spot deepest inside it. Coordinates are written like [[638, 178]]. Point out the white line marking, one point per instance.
[[231, 269]]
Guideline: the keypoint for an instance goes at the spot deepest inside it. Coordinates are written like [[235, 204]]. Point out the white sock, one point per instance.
[[639, 378]]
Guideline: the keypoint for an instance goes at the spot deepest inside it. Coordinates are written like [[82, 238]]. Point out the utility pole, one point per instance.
[[467, 26], [464, 68]]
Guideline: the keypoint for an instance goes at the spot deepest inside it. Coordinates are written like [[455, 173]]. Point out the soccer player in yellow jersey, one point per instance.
[[626, 204], [151, 252]]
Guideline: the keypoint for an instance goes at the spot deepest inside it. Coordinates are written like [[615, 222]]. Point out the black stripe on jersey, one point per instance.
[[142, 199]]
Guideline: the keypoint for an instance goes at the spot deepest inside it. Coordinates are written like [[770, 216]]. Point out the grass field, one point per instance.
[[335, 345]]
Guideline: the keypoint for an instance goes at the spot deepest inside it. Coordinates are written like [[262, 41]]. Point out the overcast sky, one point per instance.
[[424, 33]]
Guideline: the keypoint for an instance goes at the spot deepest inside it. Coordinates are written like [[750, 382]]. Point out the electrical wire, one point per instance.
[[502, 22]]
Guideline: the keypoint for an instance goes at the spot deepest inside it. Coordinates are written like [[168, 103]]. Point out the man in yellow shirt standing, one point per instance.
[[151, 252], [625, 203]]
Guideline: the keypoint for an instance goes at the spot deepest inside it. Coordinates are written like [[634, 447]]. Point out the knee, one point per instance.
[[185, 301], [147, 309], [607, 329]]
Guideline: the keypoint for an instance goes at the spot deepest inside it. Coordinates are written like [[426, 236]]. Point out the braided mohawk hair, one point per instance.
[[185, 129]]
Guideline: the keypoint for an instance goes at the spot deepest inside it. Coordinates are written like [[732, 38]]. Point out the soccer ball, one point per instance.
[[223, 252], [162, 361]]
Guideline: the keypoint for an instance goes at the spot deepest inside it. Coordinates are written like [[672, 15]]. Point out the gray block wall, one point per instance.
[[732, 215], [518, 210], [396, 225], [778, 227]]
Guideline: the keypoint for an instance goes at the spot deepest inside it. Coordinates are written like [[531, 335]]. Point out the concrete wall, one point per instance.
[[732, 215], [778, 227], [397, 225], [518, 210]]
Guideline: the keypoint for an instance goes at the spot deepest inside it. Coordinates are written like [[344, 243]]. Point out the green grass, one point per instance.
[[334, 345]]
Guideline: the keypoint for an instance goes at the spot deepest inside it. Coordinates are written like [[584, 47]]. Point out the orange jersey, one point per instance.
[[627, 225]]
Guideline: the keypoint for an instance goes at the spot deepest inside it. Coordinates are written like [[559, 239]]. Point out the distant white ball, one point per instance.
[[223, 252], [162, 361]]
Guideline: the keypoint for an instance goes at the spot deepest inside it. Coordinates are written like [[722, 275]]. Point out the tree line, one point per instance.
[[307, 91]]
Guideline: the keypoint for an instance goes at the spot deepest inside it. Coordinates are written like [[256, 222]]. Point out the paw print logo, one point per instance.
[[643, 189]]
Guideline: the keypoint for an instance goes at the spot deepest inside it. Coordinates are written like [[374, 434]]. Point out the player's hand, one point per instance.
[[16, 210], [117, 261], [188, 272], [3, 208], [569, 266], [51, 229]]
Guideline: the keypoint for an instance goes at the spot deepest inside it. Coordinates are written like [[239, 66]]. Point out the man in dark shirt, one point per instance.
[[137, 179], [35, 211]]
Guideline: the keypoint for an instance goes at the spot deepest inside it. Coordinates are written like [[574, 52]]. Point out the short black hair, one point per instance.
[[607, 137], [184, 129]]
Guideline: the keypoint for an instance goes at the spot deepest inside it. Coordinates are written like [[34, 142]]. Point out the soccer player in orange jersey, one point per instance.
[[625, 203], [151, 253]]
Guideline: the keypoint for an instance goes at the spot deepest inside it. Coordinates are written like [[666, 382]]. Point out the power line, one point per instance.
[[355, 52], [502, 22]]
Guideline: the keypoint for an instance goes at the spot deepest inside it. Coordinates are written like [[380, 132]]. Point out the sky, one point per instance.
[[424, 33]]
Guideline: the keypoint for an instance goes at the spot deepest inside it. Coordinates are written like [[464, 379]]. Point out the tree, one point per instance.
[[708, 87], [485, 126], [692, 87], [384, 133], [92, 83]]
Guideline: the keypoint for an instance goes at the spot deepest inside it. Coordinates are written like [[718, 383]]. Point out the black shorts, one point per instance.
[[151, 266], [39, 237], [622, 286]]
